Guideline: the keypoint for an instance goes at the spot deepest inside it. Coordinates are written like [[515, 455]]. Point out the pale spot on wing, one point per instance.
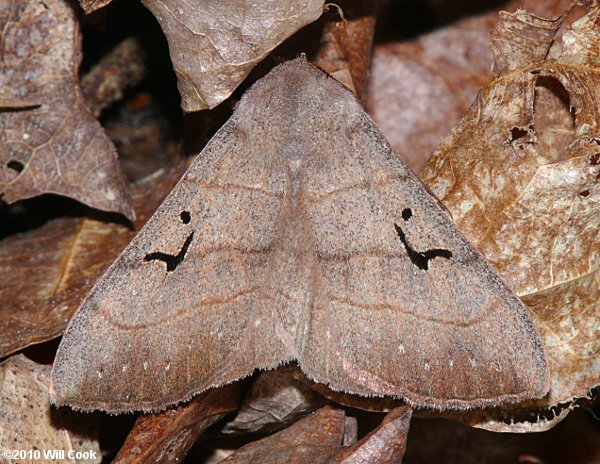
[[401, 349], [145, 364]]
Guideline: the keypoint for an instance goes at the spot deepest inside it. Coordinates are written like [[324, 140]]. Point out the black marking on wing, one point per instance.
[[171, 261], [420, 258], [185, 217]]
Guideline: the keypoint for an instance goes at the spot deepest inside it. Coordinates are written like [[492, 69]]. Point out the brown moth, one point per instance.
[[299, 234]]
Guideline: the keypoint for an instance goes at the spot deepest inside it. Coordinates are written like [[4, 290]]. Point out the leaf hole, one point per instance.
[[584, 193], [516, 133], [406, 214], [15, 165], [185, 217]]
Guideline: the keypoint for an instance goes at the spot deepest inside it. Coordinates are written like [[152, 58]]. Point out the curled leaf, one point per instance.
[[346, 44], [276, 399], [521, 38], [167, 436]]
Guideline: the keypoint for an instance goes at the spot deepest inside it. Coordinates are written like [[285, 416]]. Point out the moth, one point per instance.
[[299, 234]]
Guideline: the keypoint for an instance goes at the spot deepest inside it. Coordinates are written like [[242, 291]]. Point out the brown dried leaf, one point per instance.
[[419, 89], [28, 422], [521, 38], [319, 438], [166, 437], [215, 44], [529, 199], [384, 445], [313, 439], [346, 45], [275, 400], [49, 140], [124, 66], [90, 6], [47, 271]]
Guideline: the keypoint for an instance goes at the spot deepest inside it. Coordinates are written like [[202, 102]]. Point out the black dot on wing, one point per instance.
[[406, 214], [185, 217]]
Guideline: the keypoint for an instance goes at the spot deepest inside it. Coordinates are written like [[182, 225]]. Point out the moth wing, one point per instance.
[[181, 310], [405, 306]]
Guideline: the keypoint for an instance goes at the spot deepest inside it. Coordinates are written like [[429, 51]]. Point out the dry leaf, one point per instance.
[[275, 400], [319, 438], [419, 89], [47, 271], [29, 423], [520, 177], [215, 44], [124, 66], [384, 445], [312, 439], [346, 45], [49, 140], [521, 38], [90, 6], [166, 437]]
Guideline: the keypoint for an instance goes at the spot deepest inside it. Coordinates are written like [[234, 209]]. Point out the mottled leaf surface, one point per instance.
[[420, 88], [214, 44], [28, 422], [520, 177], [49, 140]]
